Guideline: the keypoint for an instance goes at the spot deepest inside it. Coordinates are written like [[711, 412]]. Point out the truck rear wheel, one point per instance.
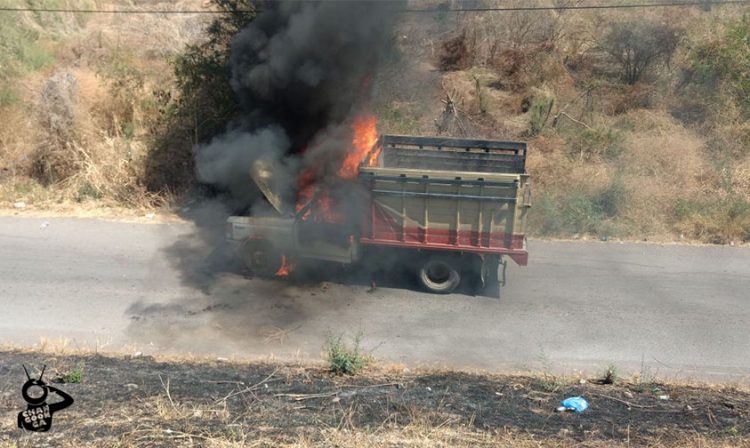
[[493, 275], [261, 257], [439, 275]]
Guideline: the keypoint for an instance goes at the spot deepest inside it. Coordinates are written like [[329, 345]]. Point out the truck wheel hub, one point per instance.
[[438, 272]]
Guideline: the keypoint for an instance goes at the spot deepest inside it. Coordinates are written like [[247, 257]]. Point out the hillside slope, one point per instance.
[[637, 119]]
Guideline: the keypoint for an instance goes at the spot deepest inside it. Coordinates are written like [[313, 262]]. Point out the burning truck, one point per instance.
[[448, 210]]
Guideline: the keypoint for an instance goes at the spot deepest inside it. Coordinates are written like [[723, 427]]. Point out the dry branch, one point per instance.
[[627, 403]]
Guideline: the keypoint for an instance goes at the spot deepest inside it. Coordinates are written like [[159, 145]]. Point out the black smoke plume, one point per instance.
[[301, 71]]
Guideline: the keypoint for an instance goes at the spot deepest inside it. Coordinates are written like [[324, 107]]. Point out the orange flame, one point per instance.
[[372, 160], [305, 188], [325, 208], [365, 138], [285, 269]]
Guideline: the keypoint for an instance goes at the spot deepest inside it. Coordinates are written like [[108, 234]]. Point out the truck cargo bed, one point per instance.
[[448, 194]]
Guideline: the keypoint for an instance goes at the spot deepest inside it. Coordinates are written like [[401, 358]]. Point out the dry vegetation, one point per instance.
[[637, 119], [81, 101], [142, 402]]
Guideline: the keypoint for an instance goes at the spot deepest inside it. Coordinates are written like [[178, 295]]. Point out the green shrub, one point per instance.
[[35, 57], [566, 214], [579, 212], [609, 375], [125, 83], [87, 191], [610, 199], [724, 62], [551, 383], [202, 71], [342, 359], [592, 143], [74, 375], [713, 219], [539, 113], [21, 45]]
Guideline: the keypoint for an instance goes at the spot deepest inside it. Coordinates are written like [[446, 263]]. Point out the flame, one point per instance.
[[365, 138], [372, 160], [305, 188], [325, 209], [285, 269], [363, 150], [322, 209]]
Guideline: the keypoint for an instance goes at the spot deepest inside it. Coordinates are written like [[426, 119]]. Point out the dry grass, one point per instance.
[[662, 162], [15, 145], [88, 161], [741, 177], [79, 130], [140, 402]]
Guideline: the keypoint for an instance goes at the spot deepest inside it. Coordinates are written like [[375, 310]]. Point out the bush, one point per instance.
[[510, 62], [126, 86], [579, 212], [87, 191], [539, 112], [56, 157], [629, 97], [455, 53], [74, 375], [724, 62], [19, 48], [593, 143], [532, 66], [637, 46], [609, 375], [610, 199], [343, 360], [714, 220]]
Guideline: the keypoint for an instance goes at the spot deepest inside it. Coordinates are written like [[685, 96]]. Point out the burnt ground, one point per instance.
[[141, 401]]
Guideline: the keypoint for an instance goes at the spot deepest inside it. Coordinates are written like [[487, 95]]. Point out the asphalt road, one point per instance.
[[658, 310]]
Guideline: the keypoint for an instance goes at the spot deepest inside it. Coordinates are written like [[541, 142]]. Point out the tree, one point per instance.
[[638, 46], [202, 102]]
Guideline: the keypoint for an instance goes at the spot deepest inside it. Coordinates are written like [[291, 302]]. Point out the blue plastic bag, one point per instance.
[[578, 404]]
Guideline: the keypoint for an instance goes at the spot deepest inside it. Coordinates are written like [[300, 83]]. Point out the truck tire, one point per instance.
[[439, 275], [261, 257], [492, 267]]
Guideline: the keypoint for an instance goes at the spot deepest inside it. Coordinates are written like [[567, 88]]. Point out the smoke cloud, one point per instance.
[[301, 71]]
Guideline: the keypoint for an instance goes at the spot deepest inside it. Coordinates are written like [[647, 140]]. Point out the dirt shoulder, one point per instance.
[[141, 401], [118, 214]]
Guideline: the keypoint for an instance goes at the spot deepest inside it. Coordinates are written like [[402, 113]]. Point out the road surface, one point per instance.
[[656, 310]]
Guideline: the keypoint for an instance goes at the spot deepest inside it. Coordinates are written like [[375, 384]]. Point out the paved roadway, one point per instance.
[[663, 310]]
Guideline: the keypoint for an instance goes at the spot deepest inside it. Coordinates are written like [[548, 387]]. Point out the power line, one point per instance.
[[585, 7], [119, 11], [433, 10]]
